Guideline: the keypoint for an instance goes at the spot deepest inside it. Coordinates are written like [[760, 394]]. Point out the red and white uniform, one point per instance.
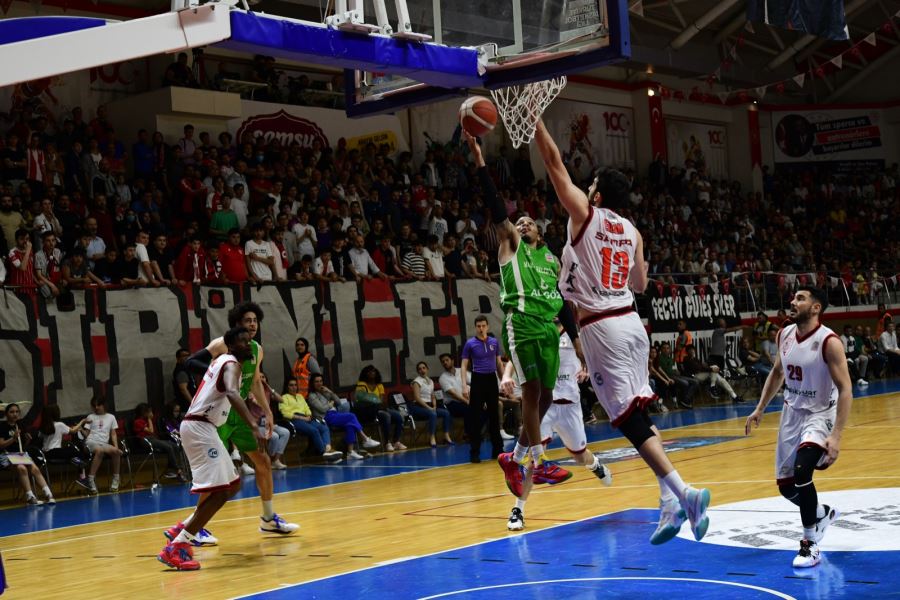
[[564, 416], [810, 396], [595, 276], [211, 464]]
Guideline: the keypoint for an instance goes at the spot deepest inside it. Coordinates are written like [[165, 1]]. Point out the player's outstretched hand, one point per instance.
[[754, 419], [832, 449]]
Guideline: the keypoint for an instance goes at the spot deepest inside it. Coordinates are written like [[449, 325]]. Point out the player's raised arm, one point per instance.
[[509, 236], [573, 199]]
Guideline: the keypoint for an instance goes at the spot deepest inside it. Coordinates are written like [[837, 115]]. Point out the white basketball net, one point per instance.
[[520, 106]]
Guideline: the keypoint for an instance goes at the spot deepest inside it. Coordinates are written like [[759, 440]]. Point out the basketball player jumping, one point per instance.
[[530, 299], [565, 417], [215, 477], [602, 263], [236, 431], [817, 398]]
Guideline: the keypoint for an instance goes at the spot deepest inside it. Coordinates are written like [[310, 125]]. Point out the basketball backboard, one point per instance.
[[519, 40]]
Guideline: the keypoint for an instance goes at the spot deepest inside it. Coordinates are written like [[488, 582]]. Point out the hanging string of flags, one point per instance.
[[815, 71]]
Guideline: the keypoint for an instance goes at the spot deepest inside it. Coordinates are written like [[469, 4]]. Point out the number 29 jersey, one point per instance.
[[597, 260], [807, 380]]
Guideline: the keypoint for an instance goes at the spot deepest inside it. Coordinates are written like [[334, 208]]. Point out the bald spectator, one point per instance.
[[96, 248], [361, 264]]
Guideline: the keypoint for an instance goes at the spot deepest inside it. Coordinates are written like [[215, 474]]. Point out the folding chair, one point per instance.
[[141, 448]]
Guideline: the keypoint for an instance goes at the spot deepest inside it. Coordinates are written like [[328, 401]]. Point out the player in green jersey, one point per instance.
[[235, 429], [530, 299]]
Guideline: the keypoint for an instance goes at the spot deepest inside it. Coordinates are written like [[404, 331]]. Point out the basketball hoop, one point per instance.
[[520, 106]]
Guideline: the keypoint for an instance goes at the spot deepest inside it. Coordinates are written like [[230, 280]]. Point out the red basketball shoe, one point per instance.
[[178, 556], [513, 472]]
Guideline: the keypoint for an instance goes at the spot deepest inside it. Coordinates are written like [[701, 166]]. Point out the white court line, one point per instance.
[[527, 583], [472, 545]]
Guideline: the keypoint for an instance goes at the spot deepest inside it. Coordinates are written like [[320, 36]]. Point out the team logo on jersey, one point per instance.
[[550, 258], [212, 453], [598, 378], [829, 424], [815, 346], [613, 227]]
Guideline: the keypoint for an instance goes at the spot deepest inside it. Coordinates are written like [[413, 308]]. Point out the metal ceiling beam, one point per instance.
[[733, 26], [657, 22], [697, 26], [677, 13], [854, 81]]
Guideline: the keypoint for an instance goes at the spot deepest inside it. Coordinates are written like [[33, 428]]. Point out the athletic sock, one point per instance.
[[665, 494], [594, 465], [184, 537], [187, 521], [520, 504], [47, 492], [676, 484], [29, 495], [537, 454], [821, 511], [268, 510], [809, 533], [520, 452]]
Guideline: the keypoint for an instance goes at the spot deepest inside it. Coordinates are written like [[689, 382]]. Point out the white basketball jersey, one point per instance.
[[597, 260], [807, 381], [569, 365], [210, 400]]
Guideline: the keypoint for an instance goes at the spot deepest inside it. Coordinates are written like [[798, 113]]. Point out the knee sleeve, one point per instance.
[[805, 463], [789, 491], [637, 428]]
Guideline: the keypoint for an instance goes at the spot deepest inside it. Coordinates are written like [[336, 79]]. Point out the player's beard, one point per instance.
[[801, 317]]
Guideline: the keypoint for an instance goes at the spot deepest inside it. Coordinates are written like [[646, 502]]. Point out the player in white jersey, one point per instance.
[[565, 417], [602, 263], [214, 477], [817, 397]]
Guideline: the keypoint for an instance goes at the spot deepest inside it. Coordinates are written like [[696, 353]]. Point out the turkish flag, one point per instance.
[[657, 127]]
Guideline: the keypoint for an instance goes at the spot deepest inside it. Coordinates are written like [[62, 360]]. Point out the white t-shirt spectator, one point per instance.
[[100, 427], [262, 250], [439, 228], [308, 245], [324, 269], [140, 251], [241, 211], [461, 226], [436, 259], [54, 441], [888, 341]]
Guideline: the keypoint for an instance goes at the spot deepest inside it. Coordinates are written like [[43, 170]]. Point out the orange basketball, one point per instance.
[[477, 115]]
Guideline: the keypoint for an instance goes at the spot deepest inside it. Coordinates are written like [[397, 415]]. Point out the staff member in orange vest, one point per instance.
[[682, 342], [305, 366]]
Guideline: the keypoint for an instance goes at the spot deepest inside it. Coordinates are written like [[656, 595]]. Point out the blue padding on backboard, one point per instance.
[[29, 28], [429, 63]]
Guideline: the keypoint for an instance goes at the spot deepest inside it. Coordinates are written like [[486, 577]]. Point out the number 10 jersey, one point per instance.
[[597, 260]]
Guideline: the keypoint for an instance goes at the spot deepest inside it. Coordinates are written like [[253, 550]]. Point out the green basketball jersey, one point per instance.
[[528, 283], [248, 368]]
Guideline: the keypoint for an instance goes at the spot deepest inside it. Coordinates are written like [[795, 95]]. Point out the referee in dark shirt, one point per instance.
[[482, 352]]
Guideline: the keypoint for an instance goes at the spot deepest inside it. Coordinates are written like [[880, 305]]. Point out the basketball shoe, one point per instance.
[[808, 556], [603, 474], [516, 520], [512, 470], [695, 504], [178, 556], [277, 525], [671, 517], [550, 472], [831, 515]]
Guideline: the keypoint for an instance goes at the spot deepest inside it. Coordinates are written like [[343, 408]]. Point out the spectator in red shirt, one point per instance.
[[193, 193], [21, 262], [191, 262], [231, 253]]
